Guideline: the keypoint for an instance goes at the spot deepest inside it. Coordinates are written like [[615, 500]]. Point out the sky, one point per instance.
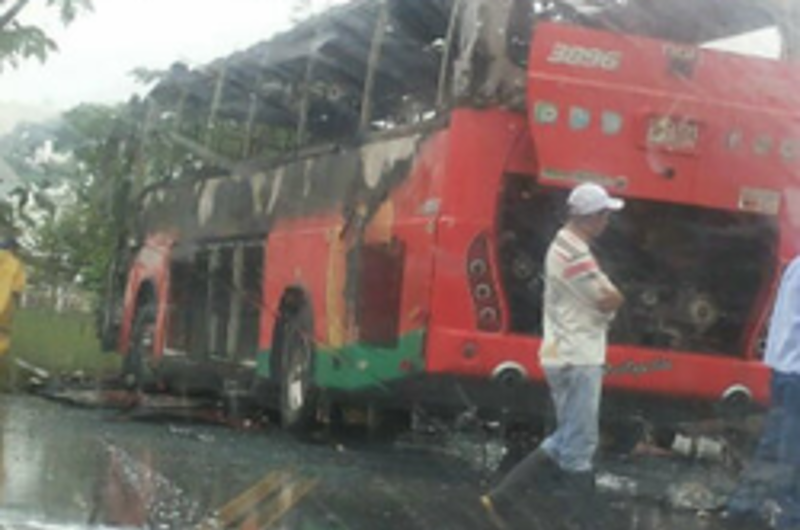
[[98, 51]]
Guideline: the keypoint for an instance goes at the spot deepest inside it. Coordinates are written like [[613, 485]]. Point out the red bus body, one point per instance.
[[422, 333]]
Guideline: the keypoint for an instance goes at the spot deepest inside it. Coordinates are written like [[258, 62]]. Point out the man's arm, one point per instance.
[[586, 278], [610, 299]]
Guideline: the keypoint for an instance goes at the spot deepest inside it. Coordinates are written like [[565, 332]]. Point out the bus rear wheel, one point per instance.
[[298, 398]]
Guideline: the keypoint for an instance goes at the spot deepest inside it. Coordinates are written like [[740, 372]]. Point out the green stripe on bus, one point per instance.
[[360, 366]]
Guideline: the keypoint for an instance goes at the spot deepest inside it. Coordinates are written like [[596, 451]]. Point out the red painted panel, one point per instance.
[[640, 370], [151, 264], [298, 254], [482, 145], [746, 109]]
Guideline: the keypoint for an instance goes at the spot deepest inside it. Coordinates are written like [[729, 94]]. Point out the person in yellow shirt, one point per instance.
[[12, 283]]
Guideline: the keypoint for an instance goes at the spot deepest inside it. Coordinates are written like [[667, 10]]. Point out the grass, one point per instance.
[[61, 343]]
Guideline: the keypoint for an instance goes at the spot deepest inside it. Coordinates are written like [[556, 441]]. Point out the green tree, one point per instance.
[[20, 41], [72, 182], [100, 144]]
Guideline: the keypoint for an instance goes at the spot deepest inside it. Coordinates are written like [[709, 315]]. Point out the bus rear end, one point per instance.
[[703, 145]]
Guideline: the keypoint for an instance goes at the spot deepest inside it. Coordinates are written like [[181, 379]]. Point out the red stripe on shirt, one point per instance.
[[561, 254], [568, 247], [579, 268]]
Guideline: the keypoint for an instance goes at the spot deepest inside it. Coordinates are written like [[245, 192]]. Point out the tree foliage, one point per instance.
[[73, 178], [20, 41]]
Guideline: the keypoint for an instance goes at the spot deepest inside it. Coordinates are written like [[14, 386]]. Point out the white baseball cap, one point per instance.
[[589, 198]]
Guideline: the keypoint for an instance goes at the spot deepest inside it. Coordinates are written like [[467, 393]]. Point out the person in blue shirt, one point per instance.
[[774, 473]]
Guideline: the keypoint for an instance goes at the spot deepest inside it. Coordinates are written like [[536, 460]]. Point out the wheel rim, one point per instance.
[[296, 376], [296, 392], [146, 347]]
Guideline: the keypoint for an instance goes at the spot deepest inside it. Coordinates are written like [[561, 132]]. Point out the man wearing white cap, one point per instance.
[[579, 304]]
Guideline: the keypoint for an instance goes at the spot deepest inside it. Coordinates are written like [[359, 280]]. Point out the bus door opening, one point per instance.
[[216, 301], [379, 295]]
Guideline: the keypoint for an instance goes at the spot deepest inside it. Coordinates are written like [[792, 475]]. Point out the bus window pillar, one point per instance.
[[375, 54], [237, 303], [252, 112], [214, 264], [141, 164], [305, 102], [219, 89], [445, 73], [483, 72], [789, 27], [173, 153]]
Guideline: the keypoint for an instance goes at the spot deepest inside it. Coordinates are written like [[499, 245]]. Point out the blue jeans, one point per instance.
[[774, 473], [575, 391]]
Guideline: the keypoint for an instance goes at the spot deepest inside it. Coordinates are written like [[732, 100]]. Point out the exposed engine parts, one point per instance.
[[671, 316], [691, 276]]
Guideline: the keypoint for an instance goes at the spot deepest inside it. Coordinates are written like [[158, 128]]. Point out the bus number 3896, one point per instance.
[[584, 57]]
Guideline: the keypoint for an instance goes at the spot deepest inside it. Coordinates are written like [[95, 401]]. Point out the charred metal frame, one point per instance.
[[224, 88], [272, 84], [375, 54]]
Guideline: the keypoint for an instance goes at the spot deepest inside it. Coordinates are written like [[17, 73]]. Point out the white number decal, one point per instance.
[[584, 57]]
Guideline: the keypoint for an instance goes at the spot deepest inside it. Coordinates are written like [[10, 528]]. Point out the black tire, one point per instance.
[[298, 397], [138, 368]]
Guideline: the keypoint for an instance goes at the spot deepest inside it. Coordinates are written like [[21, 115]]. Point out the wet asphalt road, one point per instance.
[[66, 467]]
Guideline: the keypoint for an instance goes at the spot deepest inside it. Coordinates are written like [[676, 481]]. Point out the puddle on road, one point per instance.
[[12, 521], [62, 465]]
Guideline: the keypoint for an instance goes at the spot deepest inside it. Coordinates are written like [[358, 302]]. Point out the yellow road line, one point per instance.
[[246, 502], [286, 499]]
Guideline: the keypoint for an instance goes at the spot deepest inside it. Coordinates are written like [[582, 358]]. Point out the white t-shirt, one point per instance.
[[574, 328]]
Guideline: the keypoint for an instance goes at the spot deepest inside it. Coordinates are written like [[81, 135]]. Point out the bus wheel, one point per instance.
[[138, 370], [298, 397]]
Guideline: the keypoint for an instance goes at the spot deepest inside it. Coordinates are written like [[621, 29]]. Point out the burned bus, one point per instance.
[[357, 210]]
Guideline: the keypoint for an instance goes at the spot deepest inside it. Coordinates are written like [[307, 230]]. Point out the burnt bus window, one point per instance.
[[198, 121], [220, 276], [336, 76], [522, 17], [406, 76], [520, 30], [665, 258], [215, 302], [181, 289], [197, 308], [251, 292], [380, 293]]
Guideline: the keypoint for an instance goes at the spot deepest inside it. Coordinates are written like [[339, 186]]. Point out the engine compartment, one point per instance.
[[691, 276]]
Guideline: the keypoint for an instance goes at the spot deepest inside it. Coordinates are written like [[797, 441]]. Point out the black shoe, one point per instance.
[[578, 495], [492, 512], [537, 473]]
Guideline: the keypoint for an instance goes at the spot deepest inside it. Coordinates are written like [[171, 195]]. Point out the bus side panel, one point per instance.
[[370, 285], [297, 255], [481, 145], [417, 204], [407, 222]]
